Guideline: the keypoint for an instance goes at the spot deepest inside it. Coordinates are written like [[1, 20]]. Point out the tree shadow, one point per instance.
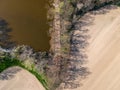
[[9, 73], [5, 37], [103, 10], [79, 42]]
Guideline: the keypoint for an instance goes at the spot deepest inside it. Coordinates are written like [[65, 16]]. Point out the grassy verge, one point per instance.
[[118, 3], [7, 62]]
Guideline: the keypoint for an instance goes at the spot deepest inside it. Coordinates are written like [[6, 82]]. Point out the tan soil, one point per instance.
[[21, 80], [104, 52]]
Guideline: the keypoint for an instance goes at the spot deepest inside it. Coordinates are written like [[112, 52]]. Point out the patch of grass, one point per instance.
[[7, 62], [40, 77], [118, 3]]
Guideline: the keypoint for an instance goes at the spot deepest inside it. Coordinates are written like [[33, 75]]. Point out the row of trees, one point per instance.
[[74, 44]]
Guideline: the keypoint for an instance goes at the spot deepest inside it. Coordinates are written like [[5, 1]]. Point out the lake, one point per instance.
[[28, 21]]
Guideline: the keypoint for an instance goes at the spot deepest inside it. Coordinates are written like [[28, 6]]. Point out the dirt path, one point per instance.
[[104, 52], [19, 79], [55, 39]]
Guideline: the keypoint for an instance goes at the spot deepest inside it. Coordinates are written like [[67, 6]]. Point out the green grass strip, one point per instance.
[[7, 62]]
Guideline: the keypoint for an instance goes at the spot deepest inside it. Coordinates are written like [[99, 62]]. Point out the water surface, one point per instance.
[[28, 21]]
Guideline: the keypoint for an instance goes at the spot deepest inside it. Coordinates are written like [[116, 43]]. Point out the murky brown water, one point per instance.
[[28, 21]]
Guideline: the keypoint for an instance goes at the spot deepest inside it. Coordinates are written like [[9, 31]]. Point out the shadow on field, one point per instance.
[[79, 42], [9, 73]]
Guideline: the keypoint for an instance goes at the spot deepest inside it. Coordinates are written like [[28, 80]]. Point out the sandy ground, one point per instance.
[[20, 80], [104, 52]]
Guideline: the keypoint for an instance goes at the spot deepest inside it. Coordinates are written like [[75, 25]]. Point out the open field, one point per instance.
[[16, 78], [103, 52]]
